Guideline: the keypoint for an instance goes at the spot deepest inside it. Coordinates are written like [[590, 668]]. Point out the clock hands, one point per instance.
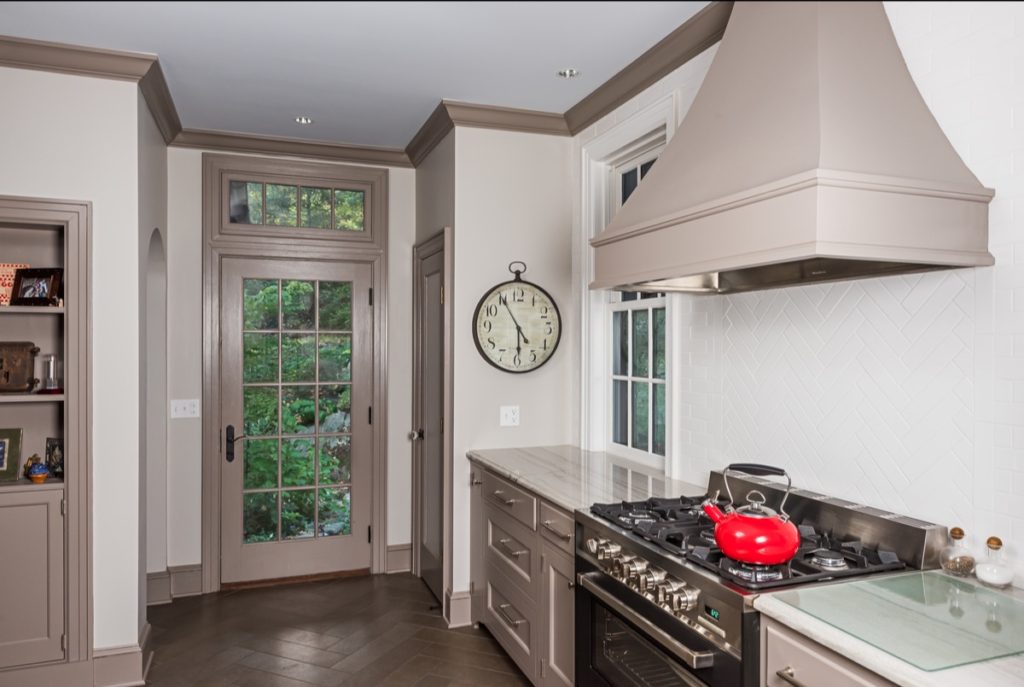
[[519, 330]]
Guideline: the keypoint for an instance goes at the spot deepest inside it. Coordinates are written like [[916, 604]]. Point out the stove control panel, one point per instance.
[[672, 594]]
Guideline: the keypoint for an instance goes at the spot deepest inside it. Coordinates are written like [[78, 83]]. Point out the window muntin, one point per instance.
[[291, 205]]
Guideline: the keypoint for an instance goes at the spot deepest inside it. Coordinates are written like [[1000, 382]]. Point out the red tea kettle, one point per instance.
[[753, 533]]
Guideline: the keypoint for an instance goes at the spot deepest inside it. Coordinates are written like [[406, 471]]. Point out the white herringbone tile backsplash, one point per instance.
[[905, 393]]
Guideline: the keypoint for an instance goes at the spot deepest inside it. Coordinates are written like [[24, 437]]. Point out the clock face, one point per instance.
[[517, 326]]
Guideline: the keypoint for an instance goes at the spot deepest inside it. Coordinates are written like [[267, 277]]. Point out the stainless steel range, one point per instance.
[[659, 604]]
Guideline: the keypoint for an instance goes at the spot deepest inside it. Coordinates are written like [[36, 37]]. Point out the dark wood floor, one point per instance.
[[357, 632]]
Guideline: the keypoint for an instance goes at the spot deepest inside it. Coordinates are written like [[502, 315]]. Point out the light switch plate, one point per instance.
[[509, 416], [184, 408]]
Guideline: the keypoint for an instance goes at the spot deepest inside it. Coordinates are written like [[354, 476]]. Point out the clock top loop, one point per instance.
[[518, 273]]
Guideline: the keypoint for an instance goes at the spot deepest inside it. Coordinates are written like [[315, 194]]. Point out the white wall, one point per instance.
[[74, 137], [185, 299], [512, 202], [905, 393], [435, 189]]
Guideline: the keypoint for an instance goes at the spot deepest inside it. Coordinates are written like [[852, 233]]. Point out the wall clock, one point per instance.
[[516, 325]]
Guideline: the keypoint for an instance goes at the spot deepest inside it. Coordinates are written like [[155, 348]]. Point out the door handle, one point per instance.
[[416, 435], [788, 675], [229, 443]]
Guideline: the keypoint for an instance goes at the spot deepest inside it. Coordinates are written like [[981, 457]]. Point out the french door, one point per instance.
[[296, 455]]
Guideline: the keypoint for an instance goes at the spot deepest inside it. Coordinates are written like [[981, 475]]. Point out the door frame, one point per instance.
[[444, 240], [218, 245]]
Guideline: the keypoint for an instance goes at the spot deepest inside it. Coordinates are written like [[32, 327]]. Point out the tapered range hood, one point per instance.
[[808, 155]]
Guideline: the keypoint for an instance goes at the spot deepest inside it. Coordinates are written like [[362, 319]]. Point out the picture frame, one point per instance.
[[55, 456], [7, 272], [38, 286], [10, 447]]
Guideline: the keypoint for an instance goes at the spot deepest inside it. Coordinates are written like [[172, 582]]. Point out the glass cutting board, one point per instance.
[[930, 620]]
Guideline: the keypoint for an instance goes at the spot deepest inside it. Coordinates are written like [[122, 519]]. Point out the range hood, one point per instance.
[[808, 155]]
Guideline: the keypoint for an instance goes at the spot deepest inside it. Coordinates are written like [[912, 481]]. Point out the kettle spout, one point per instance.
[[713, 512]]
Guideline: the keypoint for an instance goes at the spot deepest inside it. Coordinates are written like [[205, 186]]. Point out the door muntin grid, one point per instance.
[[297, 381]]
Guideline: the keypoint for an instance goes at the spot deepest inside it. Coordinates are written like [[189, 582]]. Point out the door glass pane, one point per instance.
[[245, 202], [316, 208], [297, 508], [620, 343], [259, 410], [620, 412], [297, 305], [335, 358], [641, 415], [281, 205], [658, 343], [259, 358], [260, 463], [297, 468], [335, 460], [259, 306], [335, 512], [639, 342], [335, 408], [336, 306], [297, 409], [298, 358], [349, 210], [658, 443], [259, 517]]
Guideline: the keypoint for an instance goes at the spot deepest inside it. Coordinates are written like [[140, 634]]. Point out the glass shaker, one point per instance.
[[956, 559], [995, 571]]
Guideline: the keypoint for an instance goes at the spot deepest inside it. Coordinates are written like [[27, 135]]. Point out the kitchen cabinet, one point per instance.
[[523, 577], [793, 660]]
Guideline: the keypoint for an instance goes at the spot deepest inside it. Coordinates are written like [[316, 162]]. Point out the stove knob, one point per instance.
[[594, 545], [619, 564], [607, 551], [685, 599], [634, 571], [650, 579]]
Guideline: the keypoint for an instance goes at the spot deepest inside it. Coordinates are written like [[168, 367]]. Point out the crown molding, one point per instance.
[[161, 105], [693, 37], [269, 145], [25, 53], [433, 131]]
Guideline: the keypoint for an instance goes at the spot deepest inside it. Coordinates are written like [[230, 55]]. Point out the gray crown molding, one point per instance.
[[161, 105], [74, 59], [693, 37], [433, 131], [269, 145]]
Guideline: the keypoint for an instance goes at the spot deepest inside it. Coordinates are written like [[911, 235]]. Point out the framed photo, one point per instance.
[[37, 286], [7, 272], [55, 457], [10, 454]]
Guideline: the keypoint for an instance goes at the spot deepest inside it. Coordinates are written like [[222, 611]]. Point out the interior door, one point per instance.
[[296, 453], [430, 415]]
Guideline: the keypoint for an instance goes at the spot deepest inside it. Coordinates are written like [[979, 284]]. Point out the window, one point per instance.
[[638, 342], [286, 205]]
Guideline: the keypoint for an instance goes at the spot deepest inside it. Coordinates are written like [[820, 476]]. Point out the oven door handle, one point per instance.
[[695, 659]]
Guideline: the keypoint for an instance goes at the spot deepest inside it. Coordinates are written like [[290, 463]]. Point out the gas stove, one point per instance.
[[652, 568]]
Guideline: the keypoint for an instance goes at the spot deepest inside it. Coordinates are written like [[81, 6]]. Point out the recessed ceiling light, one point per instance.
[[303, 120], [568, 73]]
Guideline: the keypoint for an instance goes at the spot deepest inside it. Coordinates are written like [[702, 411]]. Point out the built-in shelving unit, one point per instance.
[[30, 310], [24, 485], [32, 398]]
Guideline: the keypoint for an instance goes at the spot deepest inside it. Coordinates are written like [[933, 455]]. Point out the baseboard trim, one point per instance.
[[399, 559], [158, 588], [147, 651], [186, 580], [458, 608], [119, 666]]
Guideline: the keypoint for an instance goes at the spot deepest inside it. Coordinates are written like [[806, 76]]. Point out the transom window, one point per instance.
[[285, 205]]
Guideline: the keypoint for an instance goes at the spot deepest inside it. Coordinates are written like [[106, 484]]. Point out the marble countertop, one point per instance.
[[898, 621], [573, 478]]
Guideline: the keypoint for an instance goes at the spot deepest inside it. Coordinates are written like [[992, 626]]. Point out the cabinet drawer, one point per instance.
[[510, 617], [809, 663], [510, 499], [510, 548], [557, 527]]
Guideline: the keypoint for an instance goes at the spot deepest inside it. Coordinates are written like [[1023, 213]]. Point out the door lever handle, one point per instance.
[[416, 435], [229, 443]]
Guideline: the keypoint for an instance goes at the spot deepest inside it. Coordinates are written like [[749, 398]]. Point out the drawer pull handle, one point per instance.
[[497, 494], [509, 620], [788, 675], [509, 550], [561, 535]]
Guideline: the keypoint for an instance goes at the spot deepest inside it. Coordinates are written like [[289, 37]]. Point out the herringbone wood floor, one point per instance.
[[357, 632]]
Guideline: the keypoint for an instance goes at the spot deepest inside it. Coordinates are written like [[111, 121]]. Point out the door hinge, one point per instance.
[[472, 588], [369, 534], [63, 506], [369, 415], [64, 643], [442, 295], [442, 424], [371, 297]]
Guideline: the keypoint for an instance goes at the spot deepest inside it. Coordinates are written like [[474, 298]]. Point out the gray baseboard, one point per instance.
[[120, 666], [158, 588], [164, 586], [399, 558], [459, 608]]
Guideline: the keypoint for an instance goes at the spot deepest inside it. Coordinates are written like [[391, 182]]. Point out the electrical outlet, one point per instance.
[[185, 408], [509, 416]]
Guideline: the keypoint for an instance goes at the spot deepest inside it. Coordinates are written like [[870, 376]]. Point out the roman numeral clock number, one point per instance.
[[516, 325]]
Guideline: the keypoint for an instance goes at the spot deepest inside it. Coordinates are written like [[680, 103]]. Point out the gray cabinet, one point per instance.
[[793, 660], [32, 570], [523, 574]]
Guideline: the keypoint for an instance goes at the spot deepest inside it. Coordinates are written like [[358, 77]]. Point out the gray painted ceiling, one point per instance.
[[368, 73]]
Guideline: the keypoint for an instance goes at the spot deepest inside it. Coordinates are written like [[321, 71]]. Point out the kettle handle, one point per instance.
[[761, 471]]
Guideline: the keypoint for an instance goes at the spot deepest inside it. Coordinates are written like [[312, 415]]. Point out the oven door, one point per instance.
[[622, 639]]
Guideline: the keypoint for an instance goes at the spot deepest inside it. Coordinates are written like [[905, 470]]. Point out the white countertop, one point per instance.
[[992, 673], [573, 478]]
